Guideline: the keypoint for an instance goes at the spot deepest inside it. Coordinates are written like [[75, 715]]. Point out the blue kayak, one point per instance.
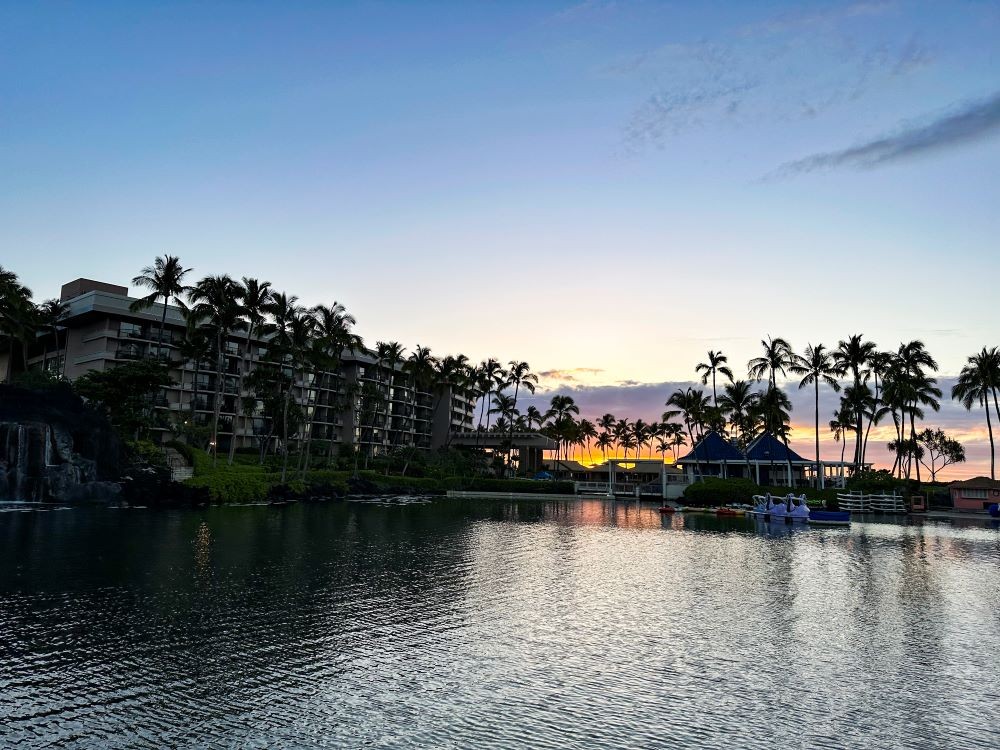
[[830, 517]]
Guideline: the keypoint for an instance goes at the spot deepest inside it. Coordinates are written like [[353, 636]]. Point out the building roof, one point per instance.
[[768, 448], [976, 483], [712, 448]]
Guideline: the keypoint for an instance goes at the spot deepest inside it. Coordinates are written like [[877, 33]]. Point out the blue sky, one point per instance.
[[605, 185]]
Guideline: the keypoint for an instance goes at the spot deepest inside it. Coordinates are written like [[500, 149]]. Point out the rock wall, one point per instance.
[[54, 449]]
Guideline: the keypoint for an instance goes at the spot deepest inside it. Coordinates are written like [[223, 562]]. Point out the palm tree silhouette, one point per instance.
[[716, 365], [816, 365], [978, 380], [165, 278], [216, 299]]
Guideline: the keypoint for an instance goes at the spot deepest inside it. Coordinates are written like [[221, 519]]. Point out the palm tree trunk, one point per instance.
[[217, 406], [817, 434], [989, 429], [913, 442]]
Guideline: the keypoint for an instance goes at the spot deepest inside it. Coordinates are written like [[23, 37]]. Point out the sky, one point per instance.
[[603, 189]]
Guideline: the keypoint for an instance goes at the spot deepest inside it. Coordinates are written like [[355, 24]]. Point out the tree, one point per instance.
[[519, 375], [254, 296], [691, 404], [840, 425], [977, 381], [560, 415], [816, 365], [776, 357], [852, 356], [124, 393], [165, 278], [919, 389], [15, 301], [51, 313], [940, 449], [716, 365], [216, 300]]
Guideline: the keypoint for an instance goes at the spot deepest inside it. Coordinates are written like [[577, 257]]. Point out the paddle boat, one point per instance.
[[790, 508]]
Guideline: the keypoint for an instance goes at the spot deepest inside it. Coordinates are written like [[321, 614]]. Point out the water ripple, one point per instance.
[[461, 624]]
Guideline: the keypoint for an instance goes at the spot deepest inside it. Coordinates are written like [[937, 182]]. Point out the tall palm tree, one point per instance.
[[165, 278], [216, 299], [840, 425], [560, 413], [519, 375], [716, 365], [776, 357], [979, 379], [853, 356], [533, 418], [51, 313], [254, 296], [921, 389], [691, 403], [390, 356], [816, 365]]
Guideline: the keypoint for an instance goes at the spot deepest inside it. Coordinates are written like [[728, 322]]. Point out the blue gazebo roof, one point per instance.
[[712, 447], [768, 448]]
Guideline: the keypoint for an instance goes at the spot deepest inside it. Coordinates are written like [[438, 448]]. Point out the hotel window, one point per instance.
[[974, 494], [129, 329]]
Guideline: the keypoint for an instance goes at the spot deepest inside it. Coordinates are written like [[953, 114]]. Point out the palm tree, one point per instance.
[[390, 355], [691, 403], [519, 375], [50, 314], [331, 336], [776, 357], [604, 441], [533, 418], [976, 382], [165, 278], [421, 366], [816, 366], [853, 356], [254, 296], [561, 409], [840, 425], [919, 388], [194, 347], [216, 299], [775, 408], [716, 365], [588, 432]]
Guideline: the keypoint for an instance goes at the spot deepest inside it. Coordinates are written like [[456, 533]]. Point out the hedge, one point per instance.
[[715, 491], [530, 486], [234, 487]]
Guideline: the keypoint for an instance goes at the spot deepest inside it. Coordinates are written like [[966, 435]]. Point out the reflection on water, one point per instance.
[[493, 624]]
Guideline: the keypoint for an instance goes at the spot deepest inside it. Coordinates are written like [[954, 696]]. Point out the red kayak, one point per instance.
[[668, 509]]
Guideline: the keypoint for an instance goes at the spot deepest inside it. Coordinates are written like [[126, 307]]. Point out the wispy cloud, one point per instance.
[[784, 68], [970, 123], [823, 17], [571, 375]]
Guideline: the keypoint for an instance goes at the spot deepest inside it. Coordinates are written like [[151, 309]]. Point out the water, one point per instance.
[[477, 624]]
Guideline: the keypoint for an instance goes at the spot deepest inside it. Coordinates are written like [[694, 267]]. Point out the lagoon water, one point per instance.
[[483, 624]]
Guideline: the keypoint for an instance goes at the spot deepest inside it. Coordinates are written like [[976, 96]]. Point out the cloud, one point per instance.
[[585, 10], [570, 375], [790, 67], [789, 22], [970, 123]]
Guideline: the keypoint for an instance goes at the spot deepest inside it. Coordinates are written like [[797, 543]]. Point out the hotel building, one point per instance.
[[100, 332]]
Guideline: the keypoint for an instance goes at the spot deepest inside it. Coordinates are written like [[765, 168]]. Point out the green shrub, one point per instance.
[[146, 451], [716, 491], [234, 487]]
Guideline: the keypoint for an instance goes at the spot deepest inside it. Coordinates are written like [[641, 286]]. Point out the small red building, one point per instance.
[[977, 494]]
